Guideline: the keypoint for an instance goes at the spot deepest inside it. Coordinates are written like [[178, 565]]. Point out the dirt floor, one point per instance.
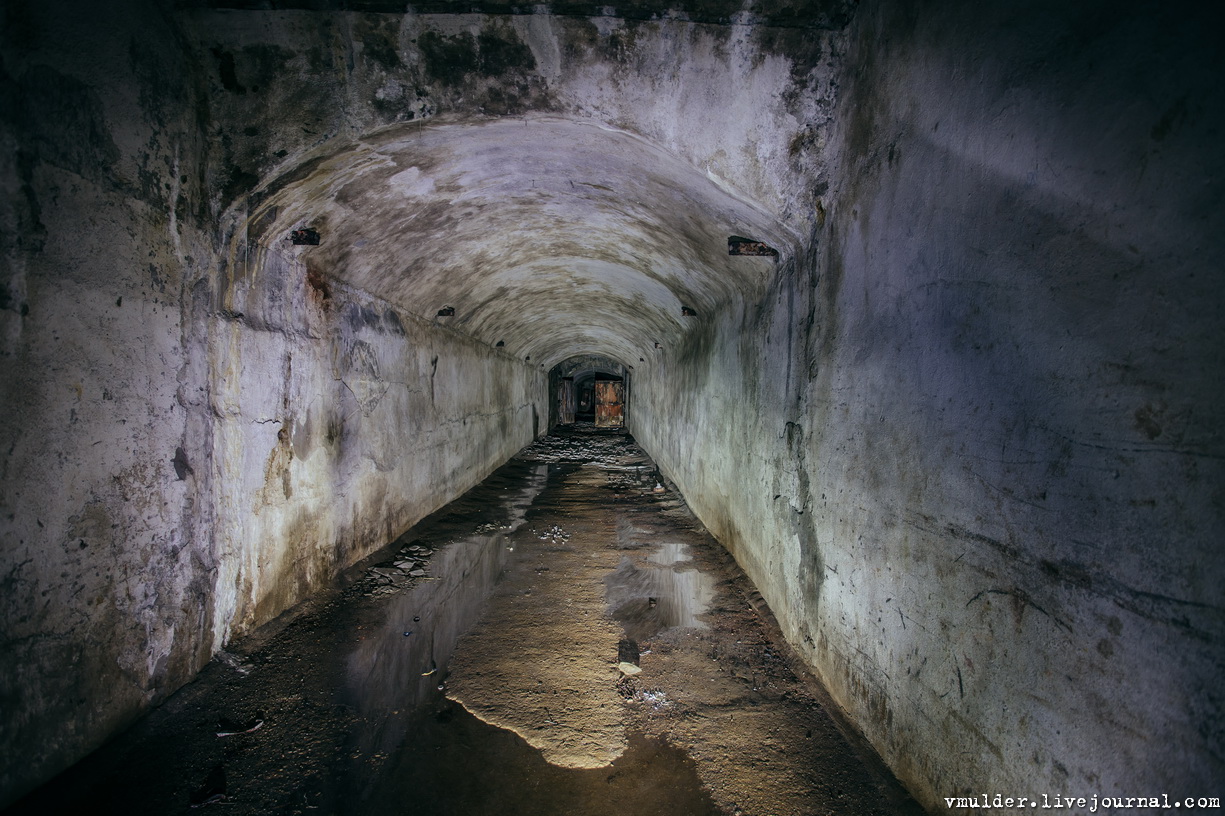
[[564, 639]]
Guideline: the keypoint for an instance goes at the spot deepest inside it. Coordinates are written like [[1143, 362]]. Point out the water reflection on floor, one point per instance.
[[663, 590], [457, 765], [415, 751], [405, 662], [352, 693]]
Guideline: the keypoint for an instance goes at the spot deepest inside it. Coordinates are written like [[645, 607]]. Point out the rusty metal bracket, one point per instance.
[[737, 245], [304, 236]]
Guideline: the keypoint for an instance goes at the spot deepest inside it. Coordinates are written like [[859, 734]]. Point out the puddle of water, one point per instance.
[[418, 752], [659, 592], [668, 553], [396, 744], [401, 664], [458, 765]]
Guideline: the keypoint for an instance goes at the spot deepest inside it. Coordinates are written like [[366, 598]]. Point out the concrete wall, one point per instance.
[[970, 447], [967, 442], [339, 422], [104, 564], [196, 433]]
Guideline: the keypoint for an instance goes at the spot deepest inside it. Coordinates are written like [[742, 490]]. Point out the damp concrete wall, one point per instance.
[[338, 422], [969, 446], [105, 565], [197, 430], [200, 422], [964, 434]]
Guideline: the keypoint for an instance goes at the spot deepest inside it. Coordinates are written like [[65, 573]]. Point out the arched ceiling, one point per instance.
[[554, 236]]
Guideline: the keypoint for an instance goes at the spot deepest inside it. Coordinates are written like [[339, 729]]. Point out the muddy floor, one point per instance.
[[564, 639]]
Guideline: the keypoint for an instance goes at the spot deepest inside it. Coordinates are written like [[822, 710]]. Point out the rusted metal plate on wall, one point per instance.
[[304, 236], [609, 398], [737, 245]]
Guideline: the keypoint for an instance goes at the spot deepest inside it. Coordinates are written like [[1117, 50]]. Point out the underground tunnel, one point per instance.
[[883, 338]]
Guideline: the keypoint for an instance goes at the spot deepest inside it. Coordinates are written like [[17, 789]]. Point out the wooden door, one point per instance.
[[565, 401], [609, 398]]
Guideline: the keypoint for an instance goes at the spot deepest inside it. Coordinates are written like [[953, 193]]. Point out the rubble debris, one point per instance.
[[234, 662], [400, 571], [556, 534], [229, 728], [212, 791]]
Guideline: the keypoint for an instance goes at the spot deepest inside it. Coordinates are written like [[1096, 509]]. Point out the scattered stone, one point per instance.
[[234, 662], [229, 728]]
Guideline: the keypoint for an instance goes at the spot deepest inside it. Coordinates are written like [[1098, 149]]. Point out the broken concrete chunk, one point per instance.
[[234, 662]]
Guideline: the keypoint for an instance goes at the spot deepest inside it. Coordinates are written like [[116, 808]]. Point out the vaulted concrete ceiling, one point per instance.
[[554, 236]]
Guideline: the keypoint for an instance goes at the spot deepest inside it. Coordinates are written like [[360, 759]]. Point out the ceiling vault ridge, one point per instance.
[[482, 220]]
